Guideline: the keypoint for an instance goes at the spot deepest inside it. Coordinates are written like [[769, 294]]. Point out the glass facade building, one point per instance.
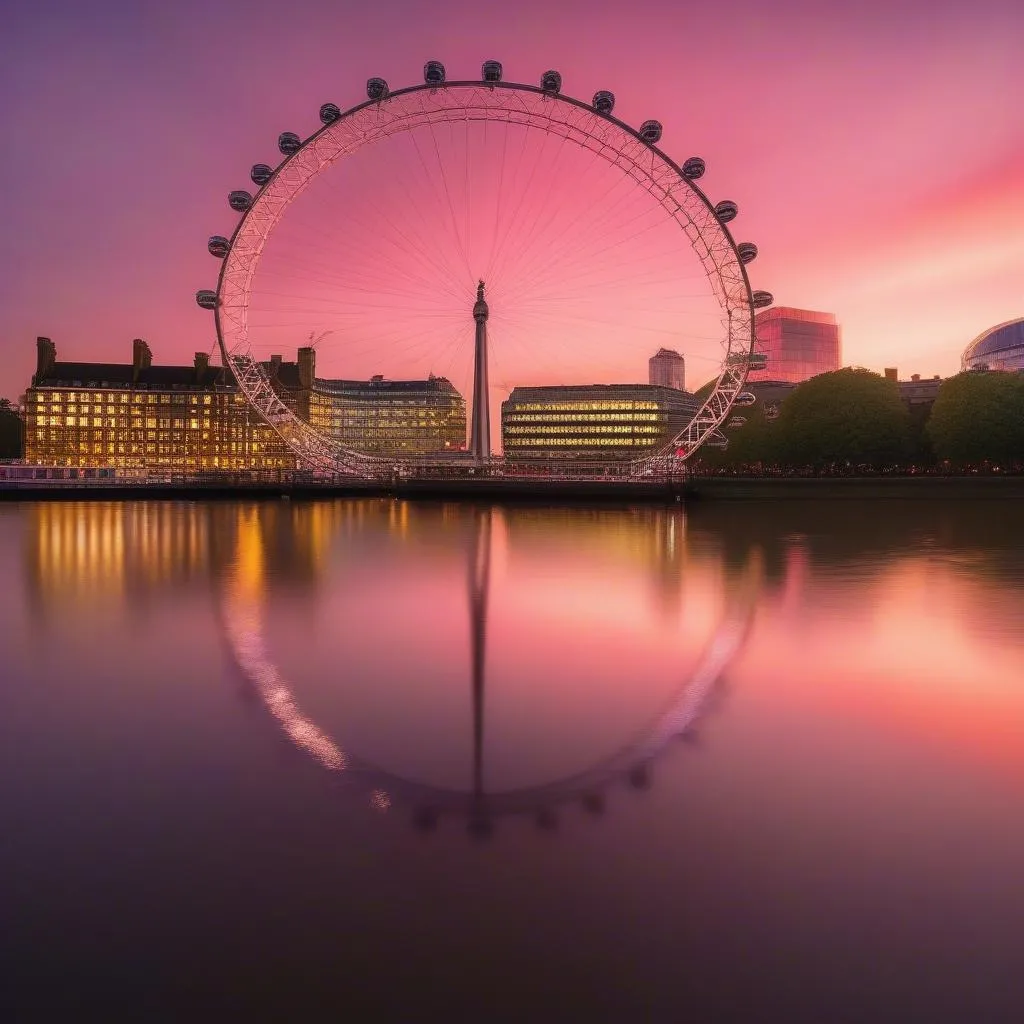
[[797, 344], [175, 419], [391, 417], [592, 421], [998, 348], [667, 369]]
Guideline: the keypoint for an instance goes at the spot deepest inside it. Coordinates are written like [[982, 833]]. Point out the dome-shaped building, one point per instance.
[[998, 348]]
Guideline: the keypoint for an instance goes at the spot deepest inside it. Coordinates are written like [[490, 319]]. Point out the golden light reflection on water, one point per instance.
[[908, 621]]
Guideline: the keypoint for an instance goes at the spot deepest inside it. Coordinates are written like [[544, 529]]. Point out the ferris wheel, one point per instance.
[[593, 244]]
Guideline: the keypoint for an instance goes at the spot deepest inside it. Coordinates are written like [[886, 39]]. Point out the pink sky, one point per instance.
[[877, 156]]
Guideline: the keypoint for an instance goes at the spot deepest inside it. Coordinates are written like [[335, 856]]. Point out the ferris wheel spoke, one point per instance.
[[589, 249], [448, 201], [504, 249], [583, 240], [562, 251]]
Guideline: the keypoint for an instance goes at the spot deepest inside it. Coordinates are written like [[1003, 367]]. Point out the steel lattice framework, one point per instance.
[[523, 105]]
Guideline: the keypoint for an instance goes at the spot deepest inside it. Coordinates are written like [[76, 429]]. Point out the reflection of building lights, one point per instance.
[[481, 808]]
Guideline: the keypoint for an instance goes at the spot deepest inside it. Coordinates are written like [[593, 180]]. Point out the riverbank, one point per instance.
[[503, 489], [738, 488], [484, 489]]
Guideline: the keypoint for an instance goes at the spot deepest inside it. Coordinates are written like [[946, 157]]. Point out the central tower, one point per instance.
[[480, 430]]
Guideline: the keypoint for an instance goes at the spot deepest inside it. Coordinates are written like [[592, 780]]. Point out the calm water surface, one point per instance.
[[436, 762]]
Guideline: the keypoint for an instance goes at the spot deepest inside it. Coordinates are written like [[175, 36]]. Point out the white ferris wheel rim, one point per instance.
[[528, 106]]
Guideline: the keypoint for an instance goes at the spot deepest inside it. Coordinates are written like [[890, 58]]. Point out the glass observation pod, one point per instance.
[[239, 200], [736, 421], [551, 82], [218, 246], [433, 72], [206, 299], [376, 89], [726, 211], [762, 299], [330, 112], [491, 71], [717, 440], [261, 174], [752, 360], [604, 101], [650, 131], [744, 399], [694, 168], [747, 252], [289, 143]]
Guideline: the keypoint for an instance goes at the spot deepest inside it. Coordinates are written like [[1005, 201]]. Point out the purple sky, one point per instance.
[[877, 155]]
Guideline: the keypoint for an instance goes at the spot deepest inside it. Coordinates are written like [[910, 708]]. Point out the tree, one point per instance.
[[10, 431], [849, 416], [754, 441], [979, 417]]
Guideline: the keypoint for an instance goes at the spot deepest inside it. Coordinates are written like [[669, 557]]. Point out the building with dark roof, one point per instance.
[[593, 420], [999, 348], [390, 417], [169, 419]]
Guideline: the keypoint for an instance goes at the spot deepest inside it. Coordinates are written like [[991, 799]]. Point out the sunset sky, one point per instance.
[[876, 153]]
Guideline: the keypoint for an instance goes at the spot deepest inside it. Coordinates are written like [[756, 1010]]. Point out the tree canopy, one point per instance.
[[847, 416], [10, 431], [979, 417]]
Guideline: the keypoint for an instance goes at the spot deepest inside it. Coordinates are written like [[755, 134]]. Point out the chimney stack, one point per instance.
[[307, 367], [275, 365], [46, 356], [202, 365], [142, 358], [890, 373]]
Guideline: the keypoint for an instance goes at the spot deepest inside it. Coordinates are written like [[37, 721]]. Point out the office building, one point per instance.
[[173, 419], [797, 344], [592, 421], [391, 417], [667, 369]]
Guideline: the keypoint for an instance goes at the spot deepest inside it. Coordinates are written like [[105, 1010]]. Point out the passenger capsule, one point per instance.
[[604, 102], [261, 174], [736, 421], [206, 299], [650, 131], [329, 113], [289, 143], [240, 200], [757, 361], [762, 299], [717, 440], [377, 89], [218, 246], [491, 71], [551, 82], [745, 399], [433, 72], [726, 211], [694, 168], [747, 252]]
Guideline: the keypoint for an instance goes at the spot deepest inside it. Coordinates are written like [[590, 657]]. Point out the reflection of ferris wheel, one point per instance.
[[243, 618], [478, 181]]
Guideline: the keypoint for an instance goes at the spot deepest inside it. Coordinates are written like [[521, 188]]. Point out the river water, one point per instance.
[[412, 761]]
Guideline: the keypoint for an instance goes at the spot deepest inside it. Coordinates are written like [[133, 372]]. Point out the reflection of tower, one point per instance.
[[479, 578], [480, 431]]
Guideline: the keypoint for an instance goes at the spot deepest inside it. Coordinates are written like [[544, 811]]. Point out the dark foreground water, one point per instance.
[[381, 761]]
